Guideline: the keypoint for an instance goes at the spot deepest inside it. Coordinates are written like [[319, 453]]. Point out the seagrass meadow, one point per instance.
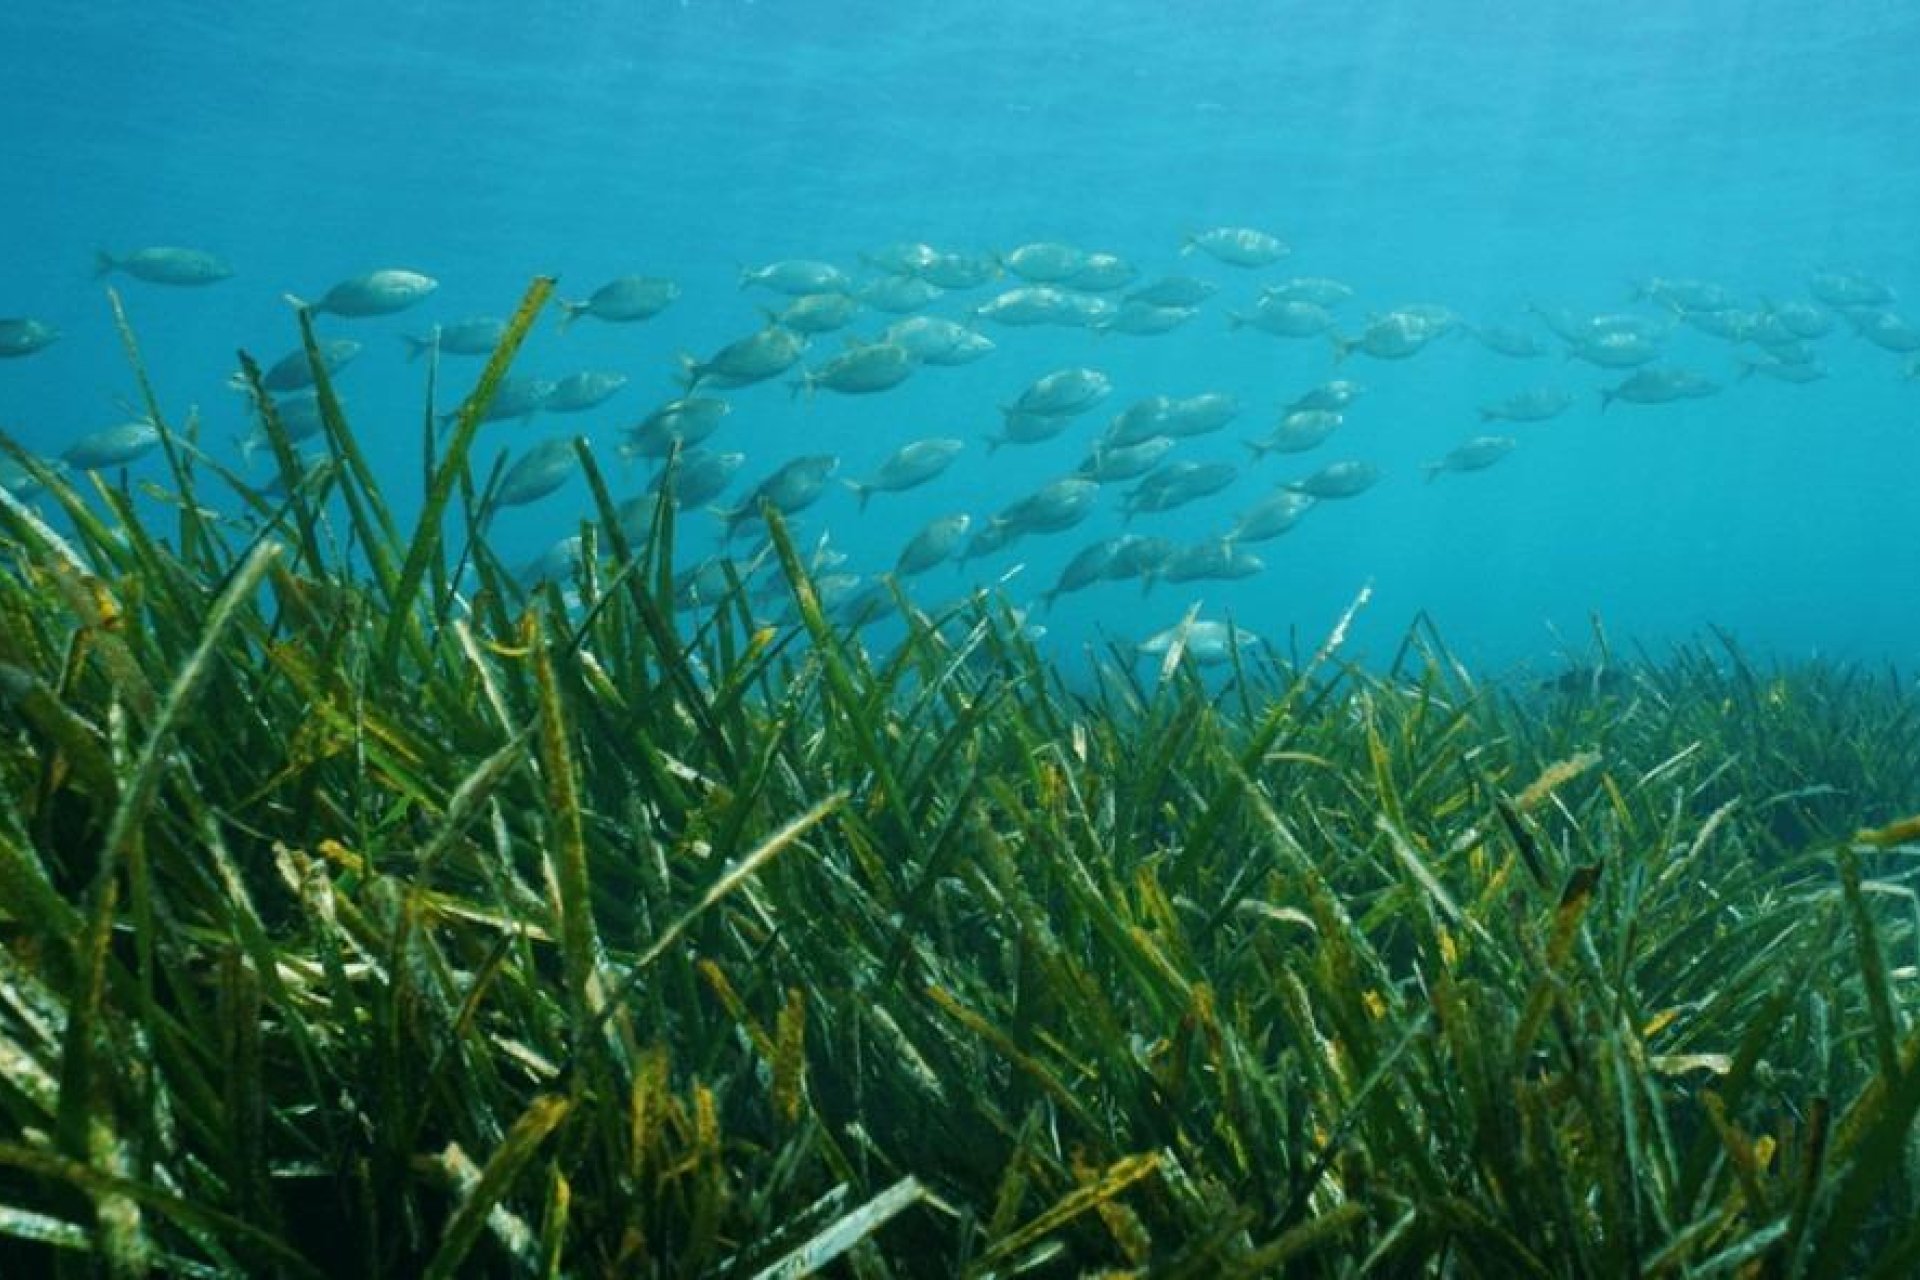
[[364, 912]]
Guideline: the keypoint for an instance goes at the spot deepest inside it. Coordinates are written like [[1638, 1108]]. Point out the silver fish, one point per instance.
[[859, 370], [622, 300], [1298, 432], [377, 293], [816, 313], [1318, 290], [1174, 291], [165, 264], [1270, 517], [898, 295], [1141, 319], [1175, 484], [1332, 396], [1219, 560], [1509, 341], [755, 358], [698, 476], [1207, 643], [113, 446], [1045, 262], [796, 276], [23, 335], [960, 270], [1284, 318], [1338, 480], [1660, 384], [907, 467], [1063, 392], [294, 372], [686, 421], [1102, 273], [794, 487], [1109, 463], [933, 546], [537, 473], [475, 337], [1476, 454], [1534, 405], [937, 341], [588, 389], [1238, 246]]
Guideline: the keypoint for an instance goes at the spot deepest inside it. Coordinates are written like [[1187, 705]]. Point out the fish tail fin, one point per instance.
[[417, 347], [1488, 415], [748, 276], [1606, 398], [1432, 470], [1235, 322], [571, 311], [248, 445], [297, 302], [689, 375], [862, 488], [1188, 244], [1342, 346], [104, 263], [1258, 448]]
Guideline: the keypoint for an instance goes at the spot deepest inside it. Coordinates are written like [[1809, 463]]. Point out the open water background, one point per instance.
[[1480, 155]]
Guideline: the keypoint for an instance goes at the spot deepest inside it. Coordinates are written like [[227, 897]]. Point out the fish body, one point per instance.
[[537, 473], [765, 354], [1843, 290], [1057, 506], [377, 293], [1174, 291], [1177, 483], [113, 446], [1140, 319], [1024, 306], [1476, 454], [796, 276], [588, 389], [1508, 341], [795, 486], [686, 421], [1284, 318], [1207, 642], [817, 313], [1103, 273], [960, 270], [23, 335], [473, 337], [1616, 349], [165, 264], [1238, 246], [622, 300], [1397, 335], [1220, 561], [900, 295], [1686, 295], [938, 341], [1270, 517], [1660, 384], [294, 372], [1332, 396], [859, 370], [933, 546], [698, 476], [1318, 290], [1887, 331], [1298, 432], [1062, 393], [1338, 480], [1046, 262], [1534, 405], [909, 466], [1088, 566], [1109, 463]]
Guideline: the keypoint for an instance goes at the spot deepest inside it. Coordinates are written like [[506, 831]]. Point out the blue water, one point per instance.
[[1482, 156]]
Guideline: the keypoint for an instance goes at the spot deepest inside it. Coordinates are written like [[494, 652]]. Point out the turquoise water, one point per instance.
[[1485, 157]]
